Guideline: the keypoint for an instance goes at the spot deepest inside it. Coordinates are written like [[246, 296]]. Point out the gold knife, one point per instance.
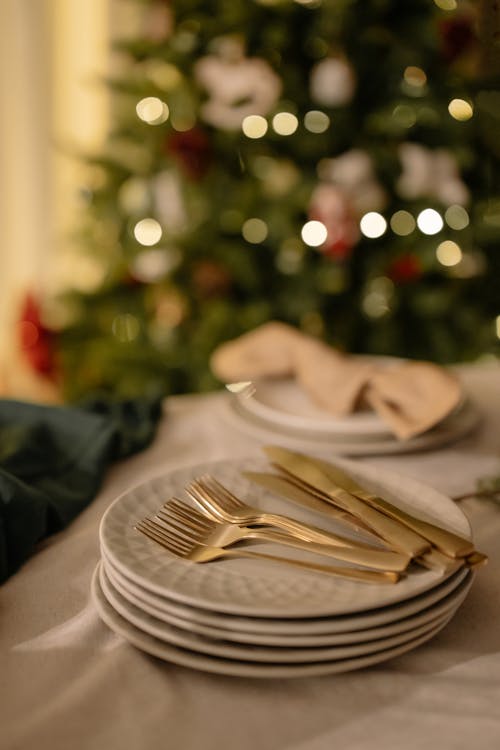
[[446, 541], [399, 536], [305, 496]]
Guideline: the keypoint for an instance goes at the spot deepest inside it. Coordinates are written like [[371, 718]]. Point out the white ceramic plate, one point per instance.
[[255, 652], [282, 402], [260, 588], [224, 629], [453, 428], [206, 663]]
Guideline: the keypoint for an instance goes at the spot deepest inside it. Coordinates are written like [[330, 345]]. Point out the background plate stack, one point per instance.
[[281, 410], [259, 619]]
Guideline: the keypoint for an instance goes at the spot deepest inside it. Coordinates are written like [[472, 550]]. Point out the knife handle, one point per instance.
[[399, 536], [449, 543], [377, 559]]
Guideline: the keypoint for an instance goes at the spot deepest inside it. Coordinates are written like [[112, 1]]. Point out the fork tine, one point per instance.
[[151, 533], [191, 514], [176, 526], [221, 493], [194, 519], [175, 539], [205, 502]]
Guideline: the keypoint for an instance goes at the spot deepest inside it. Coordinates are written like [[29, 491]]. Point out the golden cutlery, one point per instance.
[[218, 532], [396, 534], [446, 541], [235, 511], [189, 549], [315, 500]]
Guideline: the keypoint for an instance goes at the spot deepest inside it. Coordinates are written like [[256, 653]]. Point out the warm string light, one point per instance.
[[316, 121], [460, 110], [402, 223], [152, 110], [373, 225], [314, 233], [429, 221], [148, 232], [449, 253], [456, 217], [254, 231], [254, 126], [285, 123], [497, 326]]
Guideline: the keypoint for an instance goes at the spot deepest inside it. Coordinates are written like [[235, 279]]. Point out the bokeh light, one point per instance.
[[316, 121], [415, 76], [148, 231], [373, 225], [254, 231], [152, 110], [460, 110], [448, 253], [284, 123], [446, 4], [314, 233], [429, 221], [402, 223], [456, 217], [254, 126]]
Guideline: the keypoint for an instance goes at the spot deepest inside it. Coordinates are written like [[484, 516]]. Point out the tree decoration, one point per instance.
[[332, 208], [332, 82], [432, 173], [36, 340], [237, 86], [332, 164]]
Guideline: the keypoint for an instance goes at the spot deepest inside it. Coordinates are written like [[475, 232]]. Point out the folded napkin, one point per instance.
[[52, 462], [411, 397]]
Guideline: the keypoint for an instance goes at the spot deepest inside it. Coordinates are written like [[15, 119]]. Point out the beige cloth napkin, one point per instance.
[[411, 397]]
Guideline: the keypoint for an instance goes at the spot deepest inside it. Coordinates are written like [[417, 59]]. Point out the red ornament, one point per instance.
[[36, 340], [192, 150], [457, 36], [331, 207], [405, 269]]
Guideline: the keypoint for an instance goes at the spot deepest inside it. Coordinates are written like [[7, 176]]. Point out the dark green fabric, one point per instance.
[[53, 460]]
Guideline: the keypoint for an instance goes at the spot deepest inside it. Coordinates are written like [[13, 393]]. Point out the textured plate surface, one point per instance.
[[255, 652], [237, 668], [260, 588], [223, 627]]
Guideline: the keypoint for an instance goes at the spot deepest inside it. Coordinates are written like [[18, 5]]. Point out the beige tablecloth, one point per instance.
[[67, 682]]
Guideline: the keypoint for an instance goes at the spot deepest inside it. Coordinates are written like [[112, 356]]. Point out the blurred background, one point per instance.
[[173, 174]]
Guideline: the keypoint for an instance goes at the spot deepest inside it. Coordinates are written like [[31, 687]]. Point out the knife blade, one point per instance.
[[446, 541], [305, 497], [398, 535]]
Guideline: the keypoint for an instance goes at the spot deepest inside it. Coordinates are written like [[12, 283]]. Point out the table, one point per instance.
[[66, 681]]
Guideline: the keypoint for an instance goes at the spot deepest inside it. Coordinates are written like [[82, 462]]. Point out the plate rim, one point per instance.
[[263, 611], [227, 667], [262, 652]]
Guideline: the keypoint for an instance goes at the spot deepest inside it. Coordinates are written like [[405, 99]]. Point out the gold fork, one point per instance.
[[232, 510], [187, 548], [212, 531]]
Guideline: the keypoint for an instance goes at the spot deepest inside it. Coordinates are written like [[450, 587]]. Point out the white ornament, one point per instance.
[[237, 88], [353, 173], [332, 82], [430, 172]]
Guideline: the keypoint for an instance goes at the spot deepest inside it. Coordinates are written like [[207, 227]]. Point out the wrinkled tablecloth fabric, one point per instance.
[[66, 681]]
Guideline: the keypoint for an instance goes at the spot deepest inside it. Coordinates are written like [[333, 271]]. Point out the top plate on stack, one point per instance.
[[280, 409], [256, 618]]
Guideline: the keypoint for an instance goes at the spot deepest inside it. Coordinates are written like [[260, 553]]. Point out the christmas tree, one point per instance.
[[327, 163]]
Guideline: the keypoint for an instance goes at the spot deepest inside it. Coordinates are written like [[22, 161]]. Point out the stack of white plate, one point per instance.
[[255, 618], [281, 409]]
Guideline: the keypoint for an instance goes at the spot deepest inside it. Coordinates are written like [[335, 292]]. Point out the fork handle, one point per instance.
[[304, 530], [378, 559], [370, 576]]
